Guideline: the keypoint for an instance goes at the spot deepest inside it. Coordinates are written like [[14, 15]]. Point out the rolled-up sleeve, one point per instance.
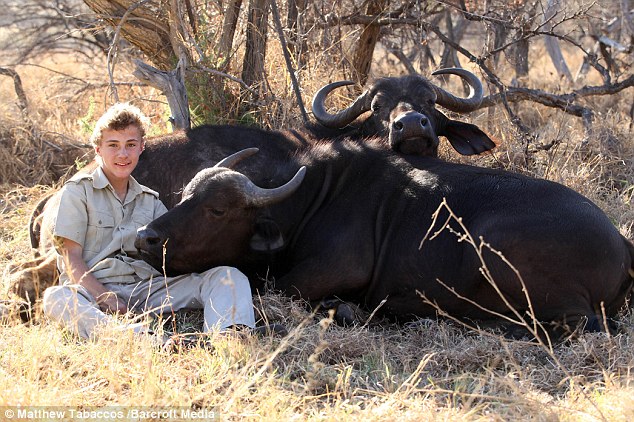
[[71, 219]]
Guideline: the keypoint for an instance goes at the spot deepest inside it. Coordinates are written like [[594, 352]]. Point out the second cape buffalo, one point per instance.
[[354, 227], [402, 110]]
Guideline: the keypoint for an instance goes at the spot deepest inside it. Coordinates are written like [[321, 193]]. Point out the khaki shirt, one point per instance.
[[92, 215]]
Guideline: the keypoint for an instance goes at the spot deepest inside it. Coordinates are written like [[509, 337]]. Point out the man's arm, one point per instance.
[[78, 273]]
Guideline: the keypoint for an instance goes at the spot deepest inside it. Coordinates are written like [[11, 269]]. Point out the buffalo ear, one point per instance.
[[267, 236], [466, 138]]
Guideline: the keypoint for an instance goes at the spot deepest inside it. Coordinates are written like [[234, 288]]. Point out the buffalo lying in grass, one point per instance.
[[353, 229]]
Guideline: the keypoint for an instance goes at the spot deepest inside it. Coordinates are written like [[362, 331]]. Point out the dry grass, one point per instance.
[[433, 370]]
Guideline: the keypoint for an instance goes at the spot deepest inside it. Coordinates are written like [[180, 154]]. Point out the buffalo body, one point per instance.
[[354, 229]]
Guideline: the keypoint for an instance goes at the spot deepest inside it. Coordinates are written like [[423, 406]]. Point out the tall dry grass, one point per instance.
[[431, 370]]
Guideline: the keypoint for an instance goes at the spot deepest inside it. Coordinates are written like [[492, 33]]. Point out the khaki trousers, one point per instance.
[[222, 292]]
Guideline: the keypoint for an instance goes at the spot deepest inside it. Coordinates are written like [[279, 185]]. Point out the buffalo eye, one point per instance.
[[215, 212]]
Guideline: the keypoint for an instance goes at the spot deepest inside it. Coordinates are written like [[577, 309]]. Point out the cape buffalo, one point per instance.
[[353, 228], [402, 110]]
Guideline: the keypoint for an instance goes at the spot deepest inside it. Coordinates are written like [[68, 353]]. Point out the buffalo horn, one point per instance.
[[236, 157], [343, 117], [453, 103], [260, 197]]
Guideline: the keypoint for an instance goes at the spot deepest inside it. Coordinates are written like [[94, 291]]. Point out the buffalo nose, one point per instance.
[[410, 121], [147, 238]]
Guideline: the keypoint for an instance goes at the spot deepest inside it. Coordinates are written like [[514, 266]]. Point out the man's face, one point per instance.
[[119, 151]]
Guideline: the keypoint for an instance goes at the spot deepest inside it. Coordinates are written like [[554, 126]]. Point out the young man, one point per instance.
[[95, 227]]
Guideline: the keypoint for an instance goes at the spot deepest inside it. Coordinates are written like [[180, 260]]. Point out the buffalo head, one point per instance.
[[403, 109], [214, 223]]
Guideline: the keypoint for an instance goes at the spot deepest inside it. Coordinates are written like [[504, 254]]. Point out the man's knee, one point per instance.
[[56, 298], [228, 276], [52, 296]]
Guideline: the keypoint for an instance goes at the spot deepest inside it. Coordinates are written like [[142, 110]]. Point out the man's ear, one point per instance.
[[466, 138], [267, 236]]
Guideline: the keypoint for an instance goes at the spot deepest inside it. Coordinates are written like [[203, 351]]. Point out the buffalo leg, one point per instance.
[[345, 313]]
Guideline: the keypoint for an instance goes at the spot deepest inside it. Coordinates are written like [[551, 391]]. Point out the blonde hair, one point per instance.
[[119, 117]]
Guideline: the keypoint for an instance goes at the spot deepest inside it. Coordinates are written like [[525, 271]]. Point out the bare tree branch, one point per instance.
[[287, 58], [37, 27], [565, 102], [147, 27], [112, 51], [172, 86], [224, 75], [19, 90]]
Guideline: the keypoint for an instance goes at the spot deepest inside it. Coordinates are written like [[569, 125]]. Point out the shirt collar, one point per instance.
[[134, 187], [100, 181]]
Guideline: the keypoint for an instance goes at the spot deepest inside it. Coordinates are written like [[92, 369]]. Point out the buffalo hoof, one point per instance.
[[347, 314], [270, 330], [598, 325]]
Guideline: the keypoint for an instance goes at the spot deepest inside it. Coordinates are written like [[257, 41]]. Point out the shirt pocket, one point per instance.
[[142, 217], [99, 231]]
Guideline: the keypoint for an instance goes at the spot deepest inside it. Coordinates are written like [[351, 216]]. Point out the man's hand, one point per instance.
[[111, 304], [79, 273]]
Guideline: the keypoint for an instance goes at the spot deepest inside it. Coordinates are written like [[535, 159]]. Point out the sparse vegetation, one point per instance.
[[429, 370]]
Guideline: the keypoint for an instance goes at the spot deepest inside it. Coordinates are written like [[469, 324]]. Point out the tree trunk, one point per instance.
[[297, 47], [229, 25], [455, 32], [521, 58], [287, 58], [255, 49], [397, 50], [496, 37], [143, 24], [552, 46], [367, 41]]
